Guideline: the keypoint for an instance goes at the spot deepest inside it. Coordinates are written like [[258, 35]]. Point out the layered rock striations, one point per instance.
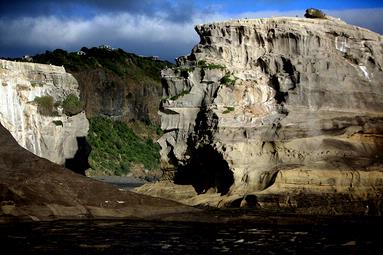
[[274, 108], [31, 97]]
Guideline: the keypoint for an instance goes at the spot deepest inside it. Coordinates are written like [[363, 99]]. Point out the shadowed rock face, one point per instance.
[[280, 97], [37, 189], [105, 93]]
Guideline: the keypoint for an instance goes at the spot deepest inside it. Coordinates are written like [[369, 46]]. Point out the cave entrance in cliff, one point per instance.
[[206, 170], [79, 163]]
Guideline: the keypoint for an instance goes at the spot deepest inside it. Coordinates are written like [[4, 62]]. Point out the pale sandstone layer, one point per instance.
[[276, 108], [51, 137]]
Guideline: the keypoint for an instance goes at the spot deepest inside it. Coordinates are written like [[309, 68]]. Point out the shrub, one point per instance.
[[228, 109], [202, 64], [72, 105], [159, 131], [215, 66], [227, 80], [45, 105]]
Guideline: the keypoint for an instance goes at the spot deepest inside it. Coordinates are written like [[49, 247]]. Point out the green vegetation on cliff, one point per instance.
[[228, 109], [117, 61], [45, 105], [228, 80], [115, 148], [72, 105]]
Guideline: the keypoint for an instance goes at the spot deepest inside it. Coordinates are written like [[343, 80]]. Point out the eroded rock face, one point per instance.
[[53, 136], [124, 99], [260, 98]]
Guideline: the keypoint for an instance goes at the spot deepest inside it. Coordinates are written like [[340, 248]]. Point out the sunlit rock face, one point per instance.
[[52, 136], [258, 98]]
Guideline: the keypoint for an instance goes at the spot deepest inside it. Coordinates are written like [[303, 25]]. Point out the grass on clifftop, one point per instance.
[[115, 148], [117, 61]]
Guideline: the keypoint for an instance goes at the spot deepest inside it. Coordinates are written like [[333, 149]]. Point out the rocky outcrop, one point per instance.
[[32, 188], [281, 106], [41, 126]]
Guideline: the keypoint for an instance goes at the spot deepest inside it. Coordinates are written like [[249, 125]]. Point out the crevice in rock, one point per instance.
[[79, 163], [171, 156], [280, 96], [263, 65], [168, 173], [272, 179], [290, 70], [282, 93]]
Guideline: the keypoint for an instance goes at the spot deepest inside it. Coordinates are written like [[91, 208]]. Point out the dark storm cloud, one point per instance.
[[180, 10], [33, 8]]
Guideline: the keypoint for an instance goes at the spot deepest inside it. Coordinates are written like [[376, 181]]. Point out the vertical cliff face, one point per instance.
[[31, 97], [257, 99]]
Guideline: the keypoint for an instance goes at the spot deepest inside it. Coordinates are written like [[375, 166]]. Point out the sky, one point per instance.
[[163, 28]]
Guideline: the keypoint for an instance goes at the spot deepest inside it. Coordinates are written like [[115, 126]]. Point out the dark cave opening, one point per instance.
[[79, 163], [280, 96], [207, 169]]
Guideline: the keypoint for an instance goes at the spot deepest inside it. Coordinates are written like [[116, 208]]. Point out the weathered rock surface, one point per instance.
[[54, 137], [121, 98], [33, 188], [281, 106]]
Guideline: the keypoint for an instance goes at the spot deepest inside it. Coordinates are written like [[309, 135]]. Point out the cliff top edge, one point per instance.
[[329, 20]]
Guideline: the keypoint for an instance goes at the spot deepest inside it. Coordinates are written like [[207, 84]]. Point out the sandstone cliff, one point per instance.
[[269, 109], [31, 97]]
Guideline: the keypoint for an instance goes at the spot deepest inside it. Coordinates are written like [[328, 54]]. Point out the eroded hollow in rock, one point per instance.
[[79, 163], [206, 170]]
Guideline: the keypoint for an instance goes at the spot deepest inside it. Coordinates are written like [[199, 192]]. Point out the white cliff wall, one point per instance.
[[50, 137]]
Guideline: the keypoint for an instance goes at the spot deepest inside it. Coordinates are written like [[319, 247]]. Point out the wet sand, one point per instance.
[[122, 182]]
